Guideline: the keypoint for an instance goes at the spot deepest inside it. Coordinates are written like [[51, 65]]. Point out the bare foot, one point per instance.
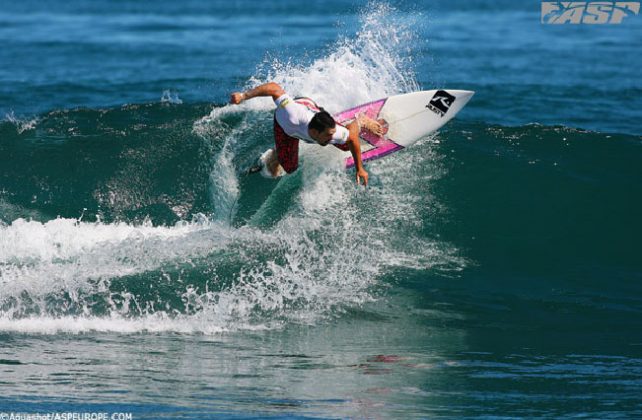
[[276, 170], [274, 166]]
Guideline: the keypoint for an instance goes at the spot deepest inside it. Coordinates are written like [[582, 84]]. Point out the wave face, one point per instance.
[[141, 218]]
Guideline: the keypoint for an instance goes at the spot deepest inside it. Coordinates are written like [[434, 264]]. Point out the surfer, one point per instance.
[[302, 119]]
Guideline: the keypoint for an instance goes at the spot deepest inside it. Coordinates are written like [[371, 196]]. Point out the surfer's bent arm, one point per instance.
[[355, 149], [267, 89]]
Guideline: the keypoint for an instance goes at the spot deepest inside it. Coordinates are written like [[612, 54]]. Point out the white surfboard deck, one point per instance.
[[406, 119]]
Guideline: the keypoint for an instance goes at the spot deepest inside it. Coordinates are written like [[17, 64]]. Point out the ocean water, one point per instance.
[[493, 270]]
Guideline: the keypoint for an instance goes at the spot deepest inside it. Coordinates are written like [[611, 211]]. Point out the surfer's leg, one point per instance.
[[287, 149]]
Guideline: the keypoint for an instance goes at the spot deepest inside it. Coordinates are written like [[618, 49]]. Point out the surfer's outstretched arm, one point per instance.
[[355, 149], [267, 89]]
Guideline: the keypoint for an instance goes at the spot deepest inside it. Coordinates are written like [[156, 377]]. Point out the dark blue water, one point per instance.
[[491, 271]]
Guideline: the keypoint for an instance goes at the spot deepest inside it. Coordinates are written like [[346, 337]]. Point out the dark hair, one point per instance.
[[321, 121]]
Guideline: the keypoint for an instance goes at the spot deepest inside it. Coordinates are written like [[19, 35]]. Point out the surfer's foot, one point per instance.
[[276, 169], [273, 165], [268, 165], [371, 125]]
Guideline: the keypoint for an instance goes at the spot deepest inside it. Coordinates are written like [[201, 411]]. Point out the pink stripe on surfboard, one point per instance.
[[382, 145], [375, 153], [376, 141]]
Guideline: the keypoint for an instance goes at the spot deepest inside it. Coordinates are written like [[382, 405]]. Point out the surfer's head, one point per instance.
[[322, 127]]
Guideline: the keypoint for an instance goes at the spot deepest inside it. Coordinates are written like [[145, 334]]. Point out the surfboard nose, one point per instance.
[[461, 99], [462, 95]]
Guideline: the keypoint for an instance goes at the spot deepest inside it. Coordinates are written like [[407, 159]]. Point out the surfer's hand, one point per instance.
[[236, 98], [362, 174], [377, 128], [371, 125]]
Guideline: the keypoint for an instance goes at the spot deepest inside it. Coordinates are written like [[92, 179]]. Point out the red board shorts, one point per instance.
[[287, 149]]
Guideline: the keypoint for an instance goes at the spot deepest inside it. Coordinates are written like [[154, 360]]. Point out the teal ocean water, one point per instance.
[[493, 270]]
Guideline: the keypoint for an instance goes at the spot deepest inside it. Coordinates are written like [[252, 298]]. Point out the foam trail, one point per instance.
[[224, 189], [224, 183]]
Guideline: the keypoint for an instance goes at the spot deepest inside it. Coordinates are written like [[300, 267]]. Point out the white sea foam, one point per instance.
[[82, 324], [61, 268], [373, 64]]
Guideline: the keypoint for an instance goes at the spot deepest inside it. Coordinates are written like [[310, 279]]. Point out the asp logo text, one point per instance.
[[592, 12]]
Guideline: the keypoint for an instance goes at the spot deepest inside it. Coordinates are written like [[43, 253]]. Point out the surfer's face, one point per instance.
[[323, 137]]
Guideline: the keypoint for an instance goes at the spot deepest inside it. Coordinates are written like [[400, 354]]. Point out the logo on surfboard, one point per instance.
[[441, 102]]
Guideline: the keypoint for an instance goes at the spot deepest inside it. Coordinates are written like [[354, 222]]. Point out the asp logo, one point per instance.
[[441, 102], [593, 12]]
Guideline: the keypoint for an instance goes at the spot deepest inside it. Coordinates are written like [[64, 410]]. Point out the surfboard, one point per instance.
[[406, 118]]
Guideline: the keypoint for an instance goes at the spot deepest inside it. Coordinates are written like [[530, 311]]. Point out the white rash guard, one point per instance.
[[294, 118]]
